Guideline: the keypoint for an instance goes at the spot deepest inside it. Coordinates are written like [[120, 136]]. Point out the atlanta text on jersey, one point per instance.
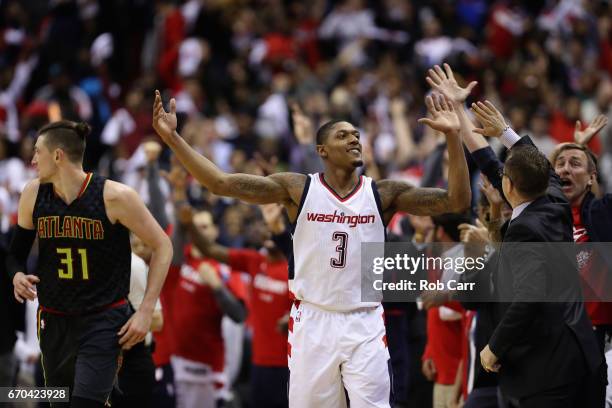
[[69, 227]]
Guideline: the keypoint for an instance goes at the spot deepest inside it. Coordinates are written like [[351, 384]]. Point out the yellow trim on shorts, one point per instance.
[[42, 361]]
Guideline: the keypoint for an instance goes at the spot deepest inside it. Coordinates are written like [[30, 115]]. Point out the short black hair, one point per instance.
[[68, 136], [324, 130], [450, 222], [529, 170]]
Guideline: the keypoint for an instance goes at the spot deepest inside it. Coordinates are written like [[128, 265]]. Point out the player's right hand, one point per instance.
[[23, 286], [164, 122]]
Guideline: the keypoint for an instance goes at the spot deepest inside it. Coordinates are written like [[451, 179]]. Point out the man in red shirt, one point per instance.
[[269, 305], [443, 351], [205, 290], [576, 165]]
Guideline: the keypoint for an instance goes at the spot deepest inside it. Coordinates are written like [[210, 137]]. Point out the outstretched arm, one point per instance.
[[284, 188], [400, 196]]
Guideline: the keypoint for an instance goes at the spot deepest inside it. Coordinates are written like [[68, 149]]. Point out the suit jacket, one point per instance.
[[540, 345]]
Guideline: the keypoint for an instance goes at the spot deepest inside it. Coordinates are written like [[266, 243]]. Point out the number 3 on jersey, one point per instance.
[[66, 259], [339, 262]]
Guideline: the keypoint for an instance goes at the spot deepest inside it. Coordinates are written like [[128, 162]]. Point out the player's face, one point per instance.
[[342, 146], [572, 167], [204, 223], [43, 160]]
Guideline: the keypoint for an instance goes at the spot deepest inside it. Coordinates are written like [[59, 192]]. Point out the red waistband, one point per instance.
[[98, 309]]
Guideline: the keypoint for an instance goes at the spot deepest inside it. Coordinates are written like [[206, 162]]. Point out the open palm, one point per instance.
[[443, 116], [164, 122], [583, 137], [446, 84]]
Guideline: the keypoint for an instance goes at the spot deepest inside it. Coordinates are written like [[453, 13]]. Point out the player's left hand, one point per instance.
[[443, 116], [135, 329]]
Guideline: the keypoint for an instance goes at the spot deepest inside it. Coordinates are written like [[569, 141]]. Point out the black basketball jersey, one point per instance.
[[84, 260]]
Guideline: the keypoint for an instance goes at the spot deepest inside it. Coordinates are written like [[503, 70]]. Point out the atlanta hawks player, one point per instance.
[[336, 341]]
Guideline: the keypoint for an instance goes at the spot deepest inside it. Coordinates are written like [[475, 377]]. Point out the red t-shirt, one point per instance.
[[269, 302], [444, 341], [196, 316], [594, 272]]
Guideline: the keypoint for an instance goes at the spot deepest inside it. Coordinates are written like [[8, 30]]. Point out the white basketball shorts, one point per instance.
[[330, 352]]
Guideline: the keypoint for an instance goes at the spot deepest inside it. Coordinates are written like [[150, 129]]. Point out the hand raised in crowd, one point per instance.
[[273, 217], [446, 84], [184, 214], [443, 116], [152, 150], [267, 167], [583, 137], [24, 286], [493, 195], [473, 234], [423, 228], [178, 178], [492, 121], [302, 125], [210, 276], [164, 122]]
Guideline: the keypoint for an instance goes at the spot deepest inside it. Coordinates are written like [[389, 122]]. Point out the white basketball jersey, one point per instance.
[[329, 230]]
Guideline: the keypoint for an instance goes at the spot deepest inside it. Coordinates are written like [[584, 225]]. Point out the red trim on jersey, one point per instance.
[[85, 184], [288, 349], [331, 190], [290, 325]]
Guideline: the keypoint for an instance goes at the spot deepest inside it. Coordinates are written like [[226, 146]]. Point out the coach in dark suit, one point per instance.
[[545, 352]]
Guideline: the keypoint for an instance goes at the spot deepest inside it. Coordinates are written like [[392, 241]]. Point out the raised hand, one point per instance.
[[473, 234], [302, 125], [492, 194], [164, 122], [446, 84], [492, 121], [443, 116], [152, 150], [582, 137]]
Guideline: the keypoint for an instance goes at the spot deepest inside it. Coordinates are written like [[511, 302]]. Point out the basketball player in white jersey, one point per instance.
[[336, 341]]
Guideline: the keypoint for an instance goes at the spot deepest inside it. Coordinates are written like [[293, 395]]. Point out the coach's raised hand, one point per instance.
[[491, 120], [164, 122], [444, 82], [443, 116]]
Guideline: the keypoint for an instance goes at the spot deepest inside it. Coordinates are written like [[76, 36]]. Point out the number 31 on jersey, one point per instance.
[[66, 259]]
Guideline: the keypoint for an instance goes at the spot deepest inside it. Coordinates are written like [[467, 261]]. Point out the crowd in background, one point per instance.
[[253, 80]]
